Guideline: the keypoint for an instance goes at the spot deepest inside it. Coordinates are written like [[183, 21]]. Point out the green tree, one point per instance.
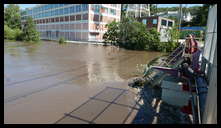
[[132, 34], [153, 9], [29, 31], [174, 34], [8, 33], [153, 39], [12, 34], [201, 16], [112, 34], [12, 16]]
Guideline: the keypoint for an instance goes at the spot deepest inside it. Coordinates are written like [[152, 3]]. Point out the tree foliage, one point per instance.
[[12, 25], [153, 9], [112, 33], [132, 34], [201, 16], [12, 34], [12, 16], [29, 31]]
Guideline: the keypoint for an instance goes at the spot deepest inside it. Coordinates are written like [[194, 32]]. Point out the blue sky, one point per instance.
[[23, 6]]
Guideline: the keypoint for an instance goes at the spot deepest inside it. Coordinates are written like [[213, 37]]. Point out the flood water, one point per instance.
[[44, 81]]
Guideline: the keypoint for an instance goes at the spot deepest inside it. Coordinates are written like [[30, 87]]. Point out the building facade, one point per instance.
[[160, 23], [185, 16], [74, 22], [136, 10]]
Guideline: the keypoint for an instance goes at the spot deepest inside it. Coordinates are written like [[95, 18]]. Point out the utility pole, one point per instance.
[[180, 19], [180, 16]]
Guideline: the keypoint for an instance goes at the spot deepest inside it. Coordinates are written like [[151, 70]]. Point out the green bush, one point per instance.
[[61, 40], [12, 25], [111, 36], [12, 34], [134, 35], [18, 34], [167, 46], [29, 31], [8, 33]]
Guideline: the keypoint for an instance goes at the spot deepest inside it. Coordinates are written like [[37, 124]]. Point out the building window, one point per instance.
[[56, 5], [144, 21], [96, 18], [112, 12], [72, 9], [57, 19], [84, 7], [52, 20], [170, 24], [56, 12], [53, 13], [66, 10], [72, 18], [85, 16], [78, 8], [61, 11], [105, 10], [97, 8], [154, 21], [61, 19], [66, 18], [114, 5], [164, 22], [78, 17]]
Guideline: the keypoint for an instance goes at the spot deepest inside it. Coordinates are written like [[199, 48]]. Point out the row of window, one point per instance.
[[145, 21], [61, 11], [47, 7], [102, 9], [63, 19], [163, 22], [77, 27], [51, 6], [66, 35]]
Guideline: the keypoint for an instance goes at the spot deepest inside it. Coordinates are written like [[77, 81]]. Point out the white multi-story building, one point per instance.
[[186, 16], [83, 22], [137, 10]]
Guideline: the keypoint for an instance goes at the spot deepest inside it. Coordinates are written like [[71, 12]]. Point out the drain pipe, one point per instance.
[[201, 90], [192, 101]]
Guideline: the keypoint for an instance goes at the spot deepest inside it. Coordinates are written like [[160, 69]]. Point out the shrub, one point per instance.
[[134, 35], [62, 40], [18, 34], [8, 33], [153, 39], [12, 34], [29, 31], [111, 36], [167, 46]]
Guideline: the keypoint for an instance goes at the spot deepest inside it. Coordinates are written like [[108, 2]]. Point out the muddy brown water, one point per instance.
[[44, 81]]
